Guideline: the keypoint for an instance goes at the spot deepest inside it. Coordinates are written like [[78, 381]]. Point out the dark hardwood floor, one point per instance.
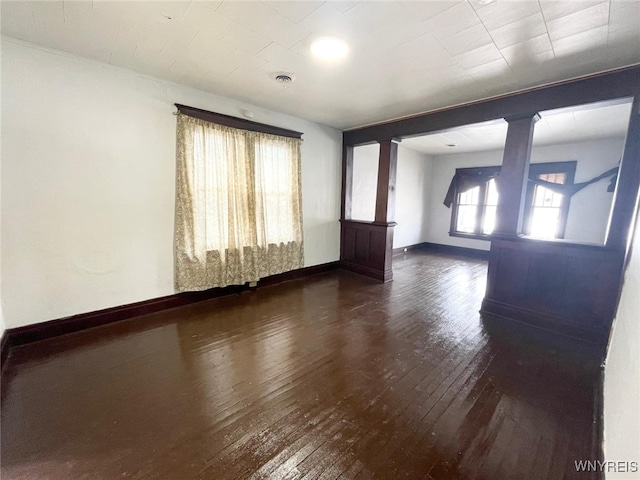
[[331, 376]]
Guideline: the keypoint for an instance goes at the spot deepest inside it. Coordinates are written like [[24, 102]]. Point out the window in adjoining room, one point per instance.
[[475, 200]]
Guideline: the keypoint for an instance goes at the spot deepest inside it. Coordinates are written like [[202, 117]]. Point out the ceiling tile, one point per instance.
[[553, 9], [425, 51], [520, 31], [494, 76], [199, 18], [624, 44], [580, 42], [214, 68], [143, 14], [296, 11], [453, 20], [498, 14], [580, 21], [245, 39], [528, 51], [327, 20], [626, 16], [467, 40], [343, 6], [396, 33], [253, 15], [283, 31], [369, 19], [616, 4], [210, 4], [480, 56], [421, 11], [490, 70]]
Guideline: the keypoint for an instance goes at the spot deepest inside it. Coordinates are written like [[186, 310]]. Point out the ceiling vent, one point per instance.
[[283, 78]]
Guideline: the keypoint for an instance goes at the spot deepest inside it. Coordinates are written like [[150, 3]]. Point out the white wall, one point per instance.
[[622, 373], [590, 208], [413, 183], [365, 182], [88, 178], [413, 180]]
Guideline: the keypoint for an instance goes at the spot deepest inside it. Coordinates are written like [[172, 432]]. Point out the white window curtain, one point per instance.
[[238, 205]]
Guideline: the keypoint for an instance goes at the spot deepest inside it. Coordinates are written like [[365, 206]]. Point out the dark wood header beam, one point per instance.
[[606, 86], [235, 122]]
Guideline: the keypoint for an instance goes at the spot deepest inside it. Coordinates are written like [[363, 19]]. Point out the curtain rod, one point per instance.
[[235, 122]]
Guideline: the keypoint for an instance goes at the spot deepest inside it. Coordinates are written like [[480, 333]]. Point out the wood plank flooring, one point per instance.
[[333, 376]]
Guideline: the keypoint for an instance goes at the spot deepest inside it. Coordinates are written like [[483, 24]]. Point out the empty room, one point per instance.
[[320, 239]]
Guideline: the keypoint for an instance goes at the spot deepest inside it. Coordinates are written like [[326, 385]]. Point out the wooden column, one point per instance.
[[347, 181], [386, 193], [367, 247], [512, 181], [626, 194]]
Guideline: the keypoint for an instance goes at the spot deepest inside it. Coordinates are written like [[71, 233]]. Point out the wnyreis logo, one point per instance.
[[609, 467]]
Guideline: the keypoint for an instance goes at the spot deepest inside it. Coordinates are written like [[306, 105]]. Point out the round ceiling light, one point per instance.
[[329, 48]]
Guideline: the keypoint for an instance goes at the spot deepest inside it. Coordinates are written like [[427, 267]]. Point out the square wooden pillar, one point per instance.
[[514, 174], [367, 247]]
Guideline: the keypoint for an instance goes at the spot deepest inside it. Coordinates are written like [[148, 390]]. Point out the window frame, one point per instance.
[[535, 169]]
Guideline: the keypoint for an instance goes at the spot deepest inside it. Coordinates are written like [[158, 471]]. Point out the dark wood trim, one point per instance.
[[445, 250], [15, 337], [299, 273], [514, 175], [235, 122], [366, 222], [408, 248], [347, 182], [374, 273], [367, 248], [620, 83], [627, 193], [5, 347], [470, 236], [386, 188], [597, 438]]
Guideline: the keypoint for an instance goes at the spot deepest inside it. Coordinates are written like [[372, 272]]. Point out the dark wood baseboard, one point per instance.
[[445, 249], [409, 248], [15, 337], [382, 276]]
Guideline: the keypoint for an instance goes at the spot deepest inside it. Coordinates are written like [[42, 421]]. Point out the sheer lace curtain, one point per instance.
[[238, 205]]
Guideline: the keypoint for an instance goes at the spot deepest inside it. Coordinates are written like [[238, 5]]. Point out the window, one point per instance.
[[474, 207], [238, 204], [546, 208]]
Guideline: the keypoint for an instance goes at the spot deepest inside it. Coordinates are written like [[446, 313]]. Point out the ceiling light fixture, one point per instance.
[[329, 48], [485, 2]]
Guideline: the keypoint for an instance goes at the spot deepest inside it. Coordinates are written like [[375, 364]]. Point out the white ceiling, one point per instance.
[[406, 56], [563, 125]]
